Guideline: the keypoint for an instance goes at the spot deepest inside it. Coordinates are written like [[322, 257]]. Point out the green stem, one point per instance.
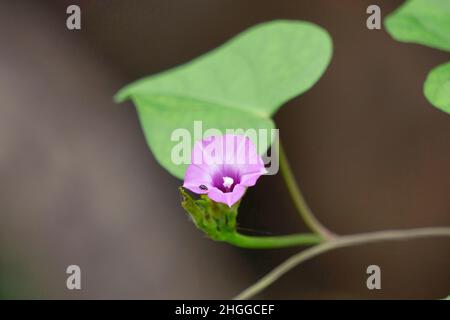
[[272, 242], [298, 199], [340, 242]]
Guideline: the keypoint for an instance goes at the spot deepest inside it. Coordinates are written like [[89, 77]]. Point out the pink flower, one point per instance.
[[223, 167]]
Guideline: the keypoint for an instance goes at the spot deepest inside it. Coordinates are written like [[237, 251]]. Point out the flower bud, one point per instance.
[[217, 220]]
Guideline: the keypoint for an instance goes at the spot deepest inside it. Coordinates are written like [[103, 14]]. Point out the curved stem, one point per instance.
[[340, 242], [298, 199], [273, 242]]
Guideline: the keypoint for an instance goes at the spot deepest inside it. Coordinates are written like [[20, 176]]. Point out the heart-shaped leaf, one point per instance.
[[437, 87], [241, 84], [425, 22]]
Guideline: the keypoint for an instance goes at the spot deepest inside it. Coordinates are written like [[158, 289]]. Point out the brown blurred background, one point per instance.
[[79, 185]]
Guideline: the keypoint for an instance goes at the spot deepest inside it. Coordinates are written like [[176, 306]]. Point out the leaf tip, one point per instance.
[[121, 96]]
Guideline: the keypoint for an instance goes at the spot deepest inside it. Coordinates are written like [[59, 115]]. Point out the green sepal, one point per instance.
[[216, 220]]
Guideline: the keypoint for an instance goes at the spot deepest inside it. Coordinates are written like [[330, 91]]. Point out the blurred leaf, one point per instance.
[[241, 84], [437, 87], [425, 22]]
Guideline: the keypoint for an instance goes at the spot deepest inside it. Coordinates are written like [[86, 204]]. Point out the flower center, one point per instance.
[[227, 182]]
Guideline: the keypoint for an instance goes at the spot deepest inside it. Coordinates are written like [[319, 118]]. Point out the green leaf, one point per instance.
[[241, 84], [160, 116], [425, 22], [437, 87]]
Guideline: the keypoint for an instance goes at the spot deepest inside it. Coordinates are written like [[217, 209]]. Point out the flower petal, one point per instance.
[[247, 158], [195, 177], [202, 158], [228, 198], [249, 179]]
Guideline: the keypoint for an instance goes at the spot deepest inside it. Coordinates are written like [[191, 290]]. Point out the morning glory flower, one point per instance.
[[223, 167]]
